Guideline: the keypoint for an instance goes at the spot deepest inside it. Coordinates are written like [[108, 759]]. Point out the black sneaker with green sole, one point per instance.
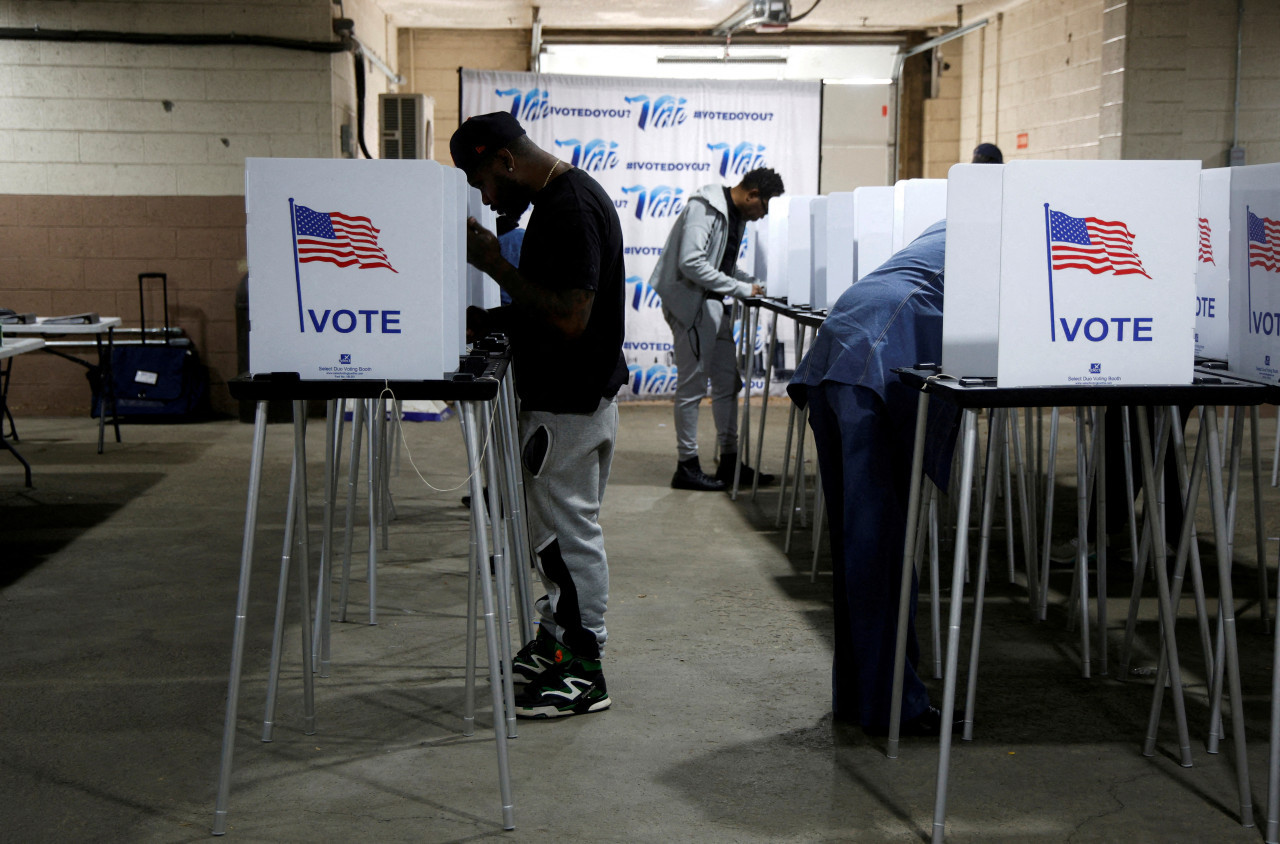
[[534, 658], [574, 686]]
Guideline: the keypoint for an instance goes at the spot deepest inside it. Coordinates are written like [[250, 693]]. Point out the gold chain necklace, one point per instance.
[[547, 180]]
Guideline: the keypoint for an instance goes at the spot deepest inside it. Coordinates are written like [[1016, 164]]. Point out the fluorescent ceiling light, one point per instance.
[[858, 80]]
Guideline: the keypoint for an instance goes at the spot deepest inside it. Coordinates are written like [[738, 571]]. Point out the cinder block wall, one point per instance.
[[1035, 70], [117, 159], [942, 115], [1180, 81], [67, 254], [1111, 79], [430, 58]]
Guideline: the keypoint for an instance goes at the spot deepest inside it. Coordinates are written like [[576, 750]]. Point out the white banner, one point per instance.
[[651, 143]]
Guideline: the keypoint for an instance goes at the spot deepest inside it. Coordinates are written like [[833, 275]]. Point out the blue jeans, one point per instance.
[[864, 454]]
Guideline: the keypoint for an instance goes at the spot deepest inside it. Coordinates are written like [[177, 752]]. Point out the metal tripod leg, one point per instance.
[[968, 434], [242, 608], [501, 563], [1162, 585], [513, 490], [353, 480], [764, 405], [908, 565], [490, 626], [1227, 612]]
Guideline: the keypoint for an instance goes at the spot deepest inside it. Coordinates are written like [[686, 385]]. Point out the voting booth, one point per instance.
[[841, 250], [1213, 265], [482, 291], [917, 204], [1254, 338], [872, 227], [358, 267], [818, 252], [971, 304], [790, 227], [1097, 271]]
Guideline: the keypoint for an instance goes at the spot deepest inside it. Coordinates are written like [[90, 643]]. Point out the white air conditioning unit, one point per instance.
[[405, 122]]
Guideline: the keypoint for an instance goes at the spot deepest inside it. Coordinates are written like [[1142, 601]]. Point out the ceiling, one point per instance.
[[694, 16]]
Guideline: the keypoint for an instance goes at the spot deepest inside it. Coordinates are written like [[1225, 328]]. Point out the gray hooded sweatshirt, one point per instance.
[[688, 271]]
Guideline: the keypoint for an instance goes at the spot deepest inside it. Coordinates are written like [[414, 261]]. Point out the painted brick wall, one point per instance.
[[430, 58], [1035, 70], [942, 116], [1113, 79], [124, 119], [1180, 81], [67, 254], [117, 159]]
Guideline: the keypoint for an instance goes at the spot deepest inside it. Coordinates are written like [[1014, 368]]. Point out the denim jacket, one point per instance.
[[890, 319], [688, 271]]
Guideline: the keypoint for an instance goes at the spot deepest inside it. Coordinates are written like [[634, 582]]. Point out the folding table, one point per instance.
[[8, 351], [972, 395], [43, 327], [477, 384]]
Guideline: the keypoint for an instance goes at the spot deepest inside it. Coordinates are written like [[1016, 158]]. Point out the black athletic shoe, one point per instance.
[[689, 475], [573, 686], [534, 658], [724, 472]]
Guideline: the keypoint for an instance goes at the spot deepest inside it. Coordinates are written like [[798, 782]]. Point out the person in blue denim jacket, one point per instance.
[[863, 421]]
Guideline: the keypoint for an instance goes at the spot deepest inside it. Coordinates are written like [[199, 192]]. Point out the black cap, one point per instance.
[[482, 135], [987, 154]]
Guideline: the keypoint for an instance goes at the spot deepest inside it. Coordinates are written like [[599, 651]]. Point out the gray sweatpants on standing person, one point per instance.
[[705, 350], [566, 458]]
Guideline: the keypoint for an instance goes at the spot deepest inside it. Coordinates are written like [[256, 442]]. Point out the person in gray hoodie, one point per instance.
[[698, 268]]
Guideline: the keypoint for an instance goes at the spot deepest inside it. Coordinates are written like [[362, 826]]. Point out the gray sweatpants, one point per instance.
[[566, 458], [705, 350]]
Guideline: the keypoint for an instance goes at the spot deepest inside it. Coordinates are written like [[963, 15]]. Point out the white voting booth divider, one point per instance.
[[818, 233], [917, 204], [841, 250], [482, 291], [971, 306], [789, 251], [872, 227], [358, 267], [1213, 265], [1097, 269], [1254, 345]]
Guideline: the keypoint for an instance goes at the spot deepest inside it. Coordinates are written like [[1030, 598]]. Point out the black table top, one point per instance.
[[477, 379], [802, 314], [1207, 388]]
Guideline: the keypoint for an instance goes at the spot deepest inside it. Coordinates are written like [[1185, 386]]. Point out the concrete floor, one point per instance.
[[119, 580]]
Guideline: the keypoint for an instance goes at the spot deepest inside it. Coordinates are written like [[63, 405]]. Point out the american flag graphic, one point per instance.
[[338, 238], [1264, 238], [1206, 247], [1087, 243]]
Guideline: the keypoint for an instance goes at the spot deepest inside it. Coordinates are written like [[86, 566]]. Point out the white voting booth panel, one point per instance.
[[841, 249], [357, 267], [917, 204], [971, 306], [818, 252], [748, 249], [1254, 339], [1097, 267], [1213, 265], [482, 291], [788, 250], [454, 305], [872, 227]]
